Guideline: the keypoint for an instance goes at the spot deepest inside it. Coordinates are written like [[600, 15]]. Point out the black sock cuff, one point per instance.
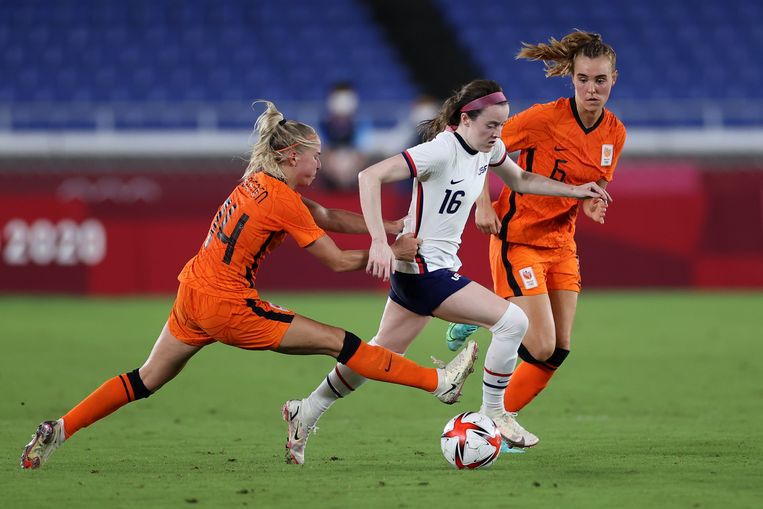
[[350, 346], [557, 358], [138, 388], [526, 356]]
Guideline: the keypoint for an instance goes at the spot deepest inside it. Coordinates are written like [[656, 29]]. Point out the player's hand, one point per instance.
[[596, 209], [591, 190], [406, 247], [487, 220], [394, 227], [380, 259]]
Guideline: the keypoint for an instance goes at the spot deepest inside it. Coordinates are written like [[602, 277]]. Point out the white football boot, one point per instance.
[[299, 431], [455, 373], [512, 432], [48, 437]]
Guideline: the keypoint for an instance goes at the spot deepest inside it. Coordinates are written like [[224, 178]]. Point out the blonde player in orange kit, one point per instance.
[[533, 256], [217, 299]]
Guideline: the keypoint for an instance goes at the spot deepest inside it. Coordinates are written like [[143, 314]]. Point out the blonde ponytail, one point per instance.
[[276, 136]]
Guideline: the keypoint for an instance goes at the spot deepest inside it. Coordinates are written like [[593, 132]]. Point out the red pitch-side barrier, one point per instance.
[[671, 225]]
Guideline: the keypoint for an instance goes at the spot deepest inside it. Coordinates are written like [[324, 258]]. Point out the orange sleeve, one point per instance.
[[297, 220], [515, 132]]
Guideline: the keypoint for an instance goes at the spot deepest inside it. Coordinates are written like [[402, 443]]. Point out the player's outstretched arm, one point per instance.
[[338, 260], [531, 183], [380, 256], [344, 221]]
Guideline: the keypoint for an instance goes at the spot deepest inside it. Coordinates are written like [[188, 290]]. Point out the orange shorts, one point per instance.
[[528, 270], [198, 319]]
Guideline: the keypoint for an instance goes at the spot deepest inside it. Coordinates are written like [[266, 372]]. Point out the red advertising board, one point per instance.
[[130, 232]]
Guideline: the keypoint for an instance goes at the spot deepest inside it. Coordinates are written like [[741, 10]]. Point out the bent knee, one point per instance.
[[515, 318], [543, 354], [536, 353]]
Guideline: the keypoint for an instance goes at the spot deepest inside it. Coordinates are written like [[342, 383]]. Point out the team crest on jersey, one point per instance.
[[482, 170], [528, 278], [607, 152]]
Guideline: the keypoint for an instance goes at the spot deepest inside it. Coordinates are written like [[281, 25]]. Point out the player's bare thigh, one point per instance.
[[167, 358], [564, 304], [307, 336], [399, 327], [472, 304], [540, 339]]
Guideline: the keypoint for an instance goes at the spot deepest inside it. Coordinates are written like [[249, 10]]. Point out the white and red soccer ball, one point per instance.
[[470, 440]]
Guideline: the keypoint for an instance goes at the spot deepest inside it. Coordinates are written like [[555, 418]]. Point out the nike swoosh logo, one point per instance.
[[291, 418], [453, 182], [389, 364], [502, 381], [559, 149], [452, 388]]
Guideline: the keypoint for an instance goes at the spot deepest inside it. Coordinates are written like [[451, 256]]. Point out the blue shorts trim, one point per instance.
[[423, 293]]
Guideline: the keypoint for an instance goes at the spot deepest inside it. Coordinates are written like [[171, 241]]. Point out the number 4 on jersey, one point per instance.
[[225, 213]]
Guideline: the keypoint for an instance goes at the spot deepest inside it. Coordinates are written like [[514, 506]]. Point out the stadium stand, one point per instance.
[[171, 64], [176, 64], [681, 63]]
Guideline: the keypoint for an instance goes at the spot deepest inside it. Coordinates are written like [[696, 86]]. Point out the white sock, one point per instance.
[[501, 358], [340, 382], [63, 429]]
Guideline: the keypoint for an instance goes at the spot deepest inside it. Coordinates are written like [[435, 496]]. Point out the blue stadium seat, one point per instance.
[[205, 50], [682, 49], [234, 51]]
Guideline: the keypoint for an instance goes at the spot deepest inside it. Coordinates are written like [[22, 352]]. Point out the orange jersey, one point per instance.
[[554, 143], [252, 222]]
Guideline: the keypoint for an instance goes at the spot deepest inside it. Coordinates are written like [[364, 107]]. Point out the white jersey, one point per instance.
[[448, 178]]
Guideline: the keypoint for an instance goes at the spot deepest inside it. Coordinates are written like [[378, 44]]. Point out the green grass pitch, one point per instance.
[[659, 405]]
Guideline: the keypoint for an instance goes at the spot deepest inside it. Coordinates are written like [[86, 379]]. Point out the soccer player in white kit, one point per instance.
[[448, 174]]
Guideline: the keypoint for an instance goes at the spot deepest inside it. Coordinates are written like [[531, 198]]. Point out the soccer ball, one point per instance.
[[470, 440]]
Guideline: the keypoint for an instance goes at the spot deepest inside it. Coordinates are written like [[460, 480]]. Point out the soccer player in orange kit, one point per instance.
[[533, 256], [217, 299]]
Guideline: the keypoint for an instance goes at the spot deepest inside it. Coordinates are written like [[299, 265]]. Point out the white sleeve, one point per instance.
[[498, 154], [428, 159]]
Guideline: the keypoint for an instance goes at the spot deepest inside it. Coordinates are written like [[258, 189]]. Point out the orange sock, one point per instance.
[[378, 363], [527, 382], [112, 395]]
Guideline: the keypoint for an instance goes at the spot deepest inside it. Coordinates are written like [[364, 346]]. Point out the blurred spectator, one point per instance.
[[425, 107], [342, 134], [383, 143]]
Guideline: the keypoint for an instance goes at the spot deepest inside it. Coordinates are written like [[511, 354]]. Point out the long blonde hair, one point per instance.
[[559, 56], [276, 136]]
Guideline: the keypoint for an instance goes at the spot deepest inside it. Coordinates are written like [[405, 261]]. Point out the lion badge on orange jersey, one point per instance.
[[528, 278], [607, 152]]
